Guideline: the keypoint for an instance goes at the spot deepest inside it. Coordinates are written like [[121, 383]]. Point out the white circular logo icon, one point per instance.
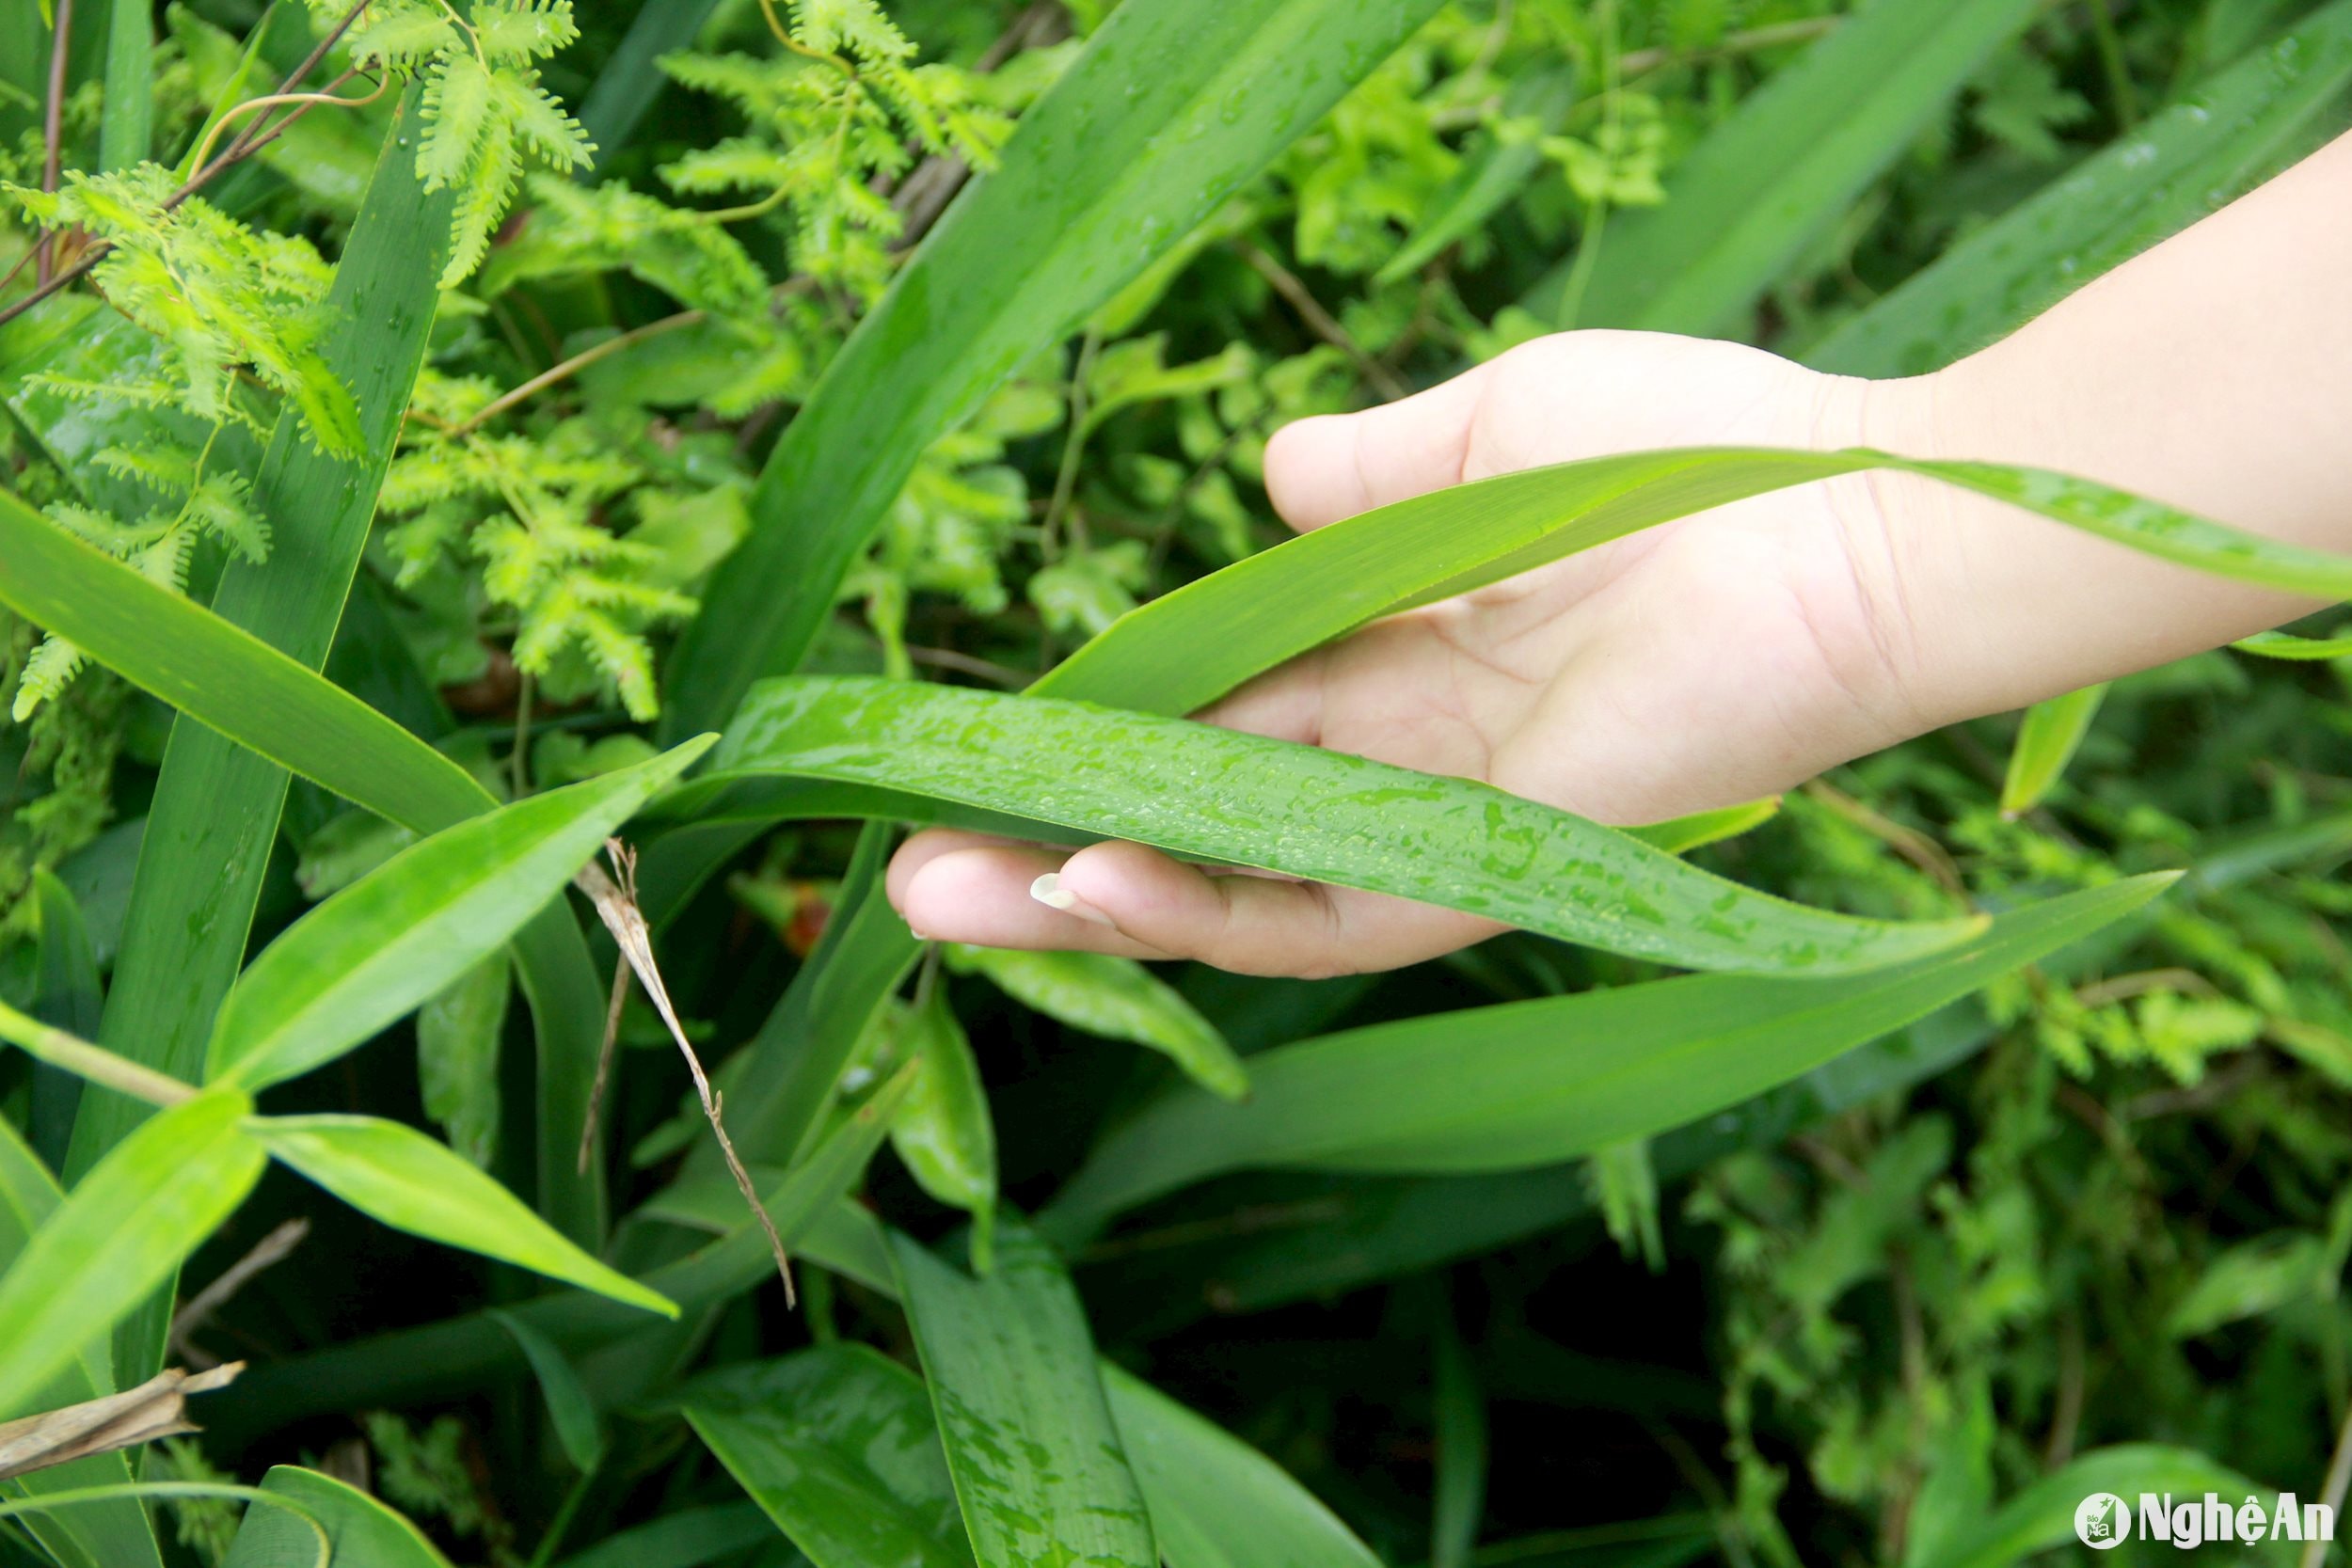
[[2102, 1521]]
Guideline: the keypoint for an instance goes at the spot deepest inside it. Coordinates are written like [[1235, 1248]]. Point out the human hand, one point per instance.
[[1694, 665]]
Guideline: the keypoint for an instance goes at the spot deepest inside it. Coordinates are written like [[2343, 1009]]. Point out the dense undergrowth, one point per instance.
[[545, 343]]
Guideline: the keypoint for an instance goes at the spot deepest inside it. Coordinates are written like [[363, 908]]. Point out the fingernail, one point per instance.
[[1048, 890]]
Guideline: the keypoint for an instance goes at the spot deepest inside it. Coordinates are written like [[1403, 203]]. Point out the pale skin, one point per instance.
[[1742, 651]]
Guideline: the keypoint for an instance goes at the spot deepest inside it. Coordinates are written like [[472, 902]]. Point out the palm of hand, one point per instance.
[[1684, 668]]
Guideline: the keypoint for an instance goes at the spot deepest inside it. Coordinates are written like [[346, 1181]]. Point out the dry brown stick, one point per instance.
[[271, 1249], [53, 126], [617, 905], [604, 1064], [1321, 321], [155, 1409]]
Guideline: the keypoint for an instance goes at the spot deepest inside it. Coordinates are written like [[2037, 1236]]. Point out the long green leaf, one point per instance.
[[1170, 108], [409, 929], [360, 1531], [1778, 173], [97, 1535], [2042, 1515], [120, 1233], [630, 79], [2046, 742], [1495, 168], [1116, 998], [126, 121], [2280, 645], [942, 1134], [838, 1446], [1298, 810], [1539, 1081], [411, 1183], [2148, 184], [73, 998], [1216, 1501], [1038, 1466], [691, 1538], [271, 704], [1189, 647], [215, 816], [571, 1409], [410, 1366]]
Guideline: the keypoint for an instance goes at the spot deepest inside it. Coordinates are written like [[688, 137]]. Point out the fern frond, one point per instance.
[[515, 32], [458, 95], [47, 672], [484, 203]]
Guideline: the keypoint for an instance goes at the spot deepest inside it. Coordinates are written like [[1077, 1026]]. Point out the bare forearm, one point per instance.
[[2214, 372]]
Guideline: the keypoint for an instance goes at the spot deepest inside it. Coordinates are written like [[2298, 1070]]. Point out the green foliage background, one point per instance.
[[2105, 1202]]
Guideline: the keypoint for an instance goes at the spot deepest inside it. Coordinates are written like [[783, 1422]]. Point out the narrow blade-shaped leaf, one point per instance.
[[1118, 999], [360, 1530], [1187, 648], [2280, 645], [1170, 108], [2042, 1515], [1544, 1081], [1038, 1466], [1298, 810], [1216, 1501], [1495, 168], [225, 677], [2046, 742], [407, 930], [578, 1426], [2151, 183], [121, 1232], [215, 816], [411, 1183], [410, 1366], [838, 1446], [95, 1535], [943, 1133], [1783, 169]]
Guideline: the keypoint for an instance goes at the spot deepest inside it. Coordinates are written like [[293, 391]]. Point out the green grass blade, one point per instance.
[[1458, 1502], [412, 1366], [121, 1232], [407, 930], [1494, 169], [215, 816], [1170, 108], [1297, 810], [691, 1538], [2046, 742], [2041, 1516], [1118, 999], [2183, 164], [571, 1410], [943, 1134], [271, 704], [72, 997], [1216, 1501], [838, 1446], [127, 121], [360, 1530], [1540, 1081], [415, 1183], [1787, 165], [2280, 645], [1189, 647], [630, 81], [1037, 1464], [99, 1535]]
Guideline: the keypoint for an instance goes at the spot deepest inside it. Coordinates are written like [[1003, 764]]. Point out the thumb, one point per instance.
[[1320, 470]]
